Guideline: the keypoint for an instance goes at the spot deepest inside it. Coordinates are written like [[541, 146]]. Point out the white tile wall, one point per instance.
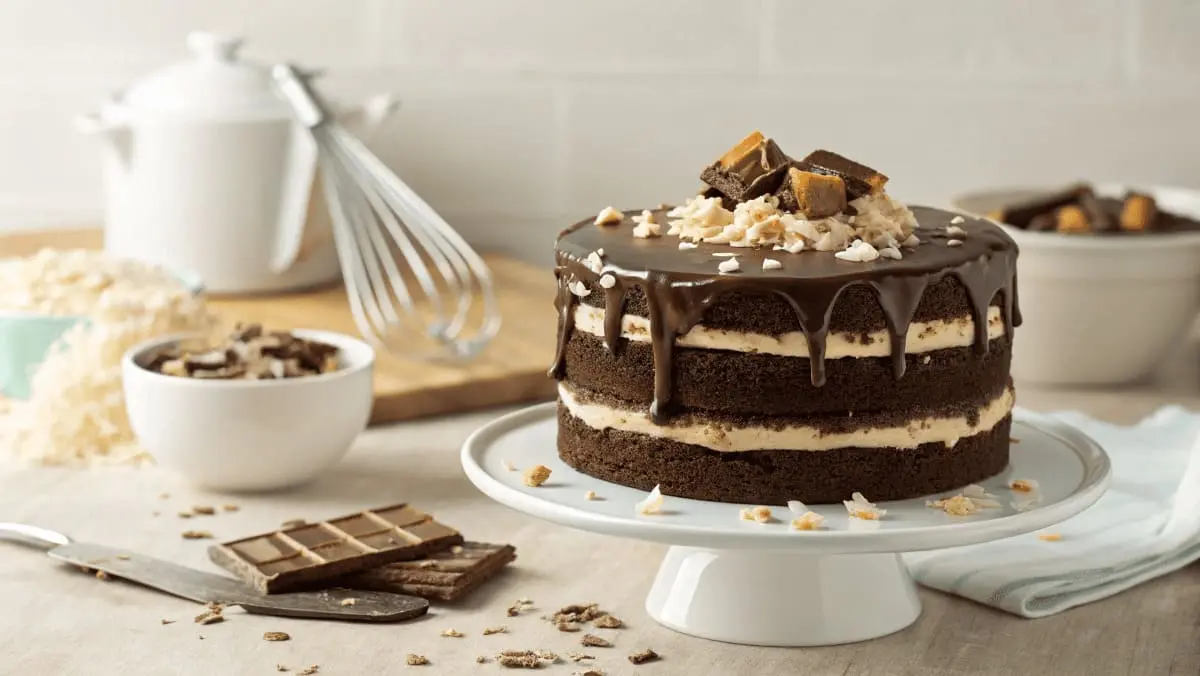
[[522, 115]]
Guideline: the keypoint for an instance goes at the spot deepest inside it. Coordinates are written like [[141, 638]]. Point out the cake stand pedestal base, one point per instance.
[[779, 598]]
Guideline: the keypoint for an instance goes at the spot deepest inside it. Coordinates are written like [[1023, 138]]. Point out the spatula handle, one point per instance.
[[41, 538]]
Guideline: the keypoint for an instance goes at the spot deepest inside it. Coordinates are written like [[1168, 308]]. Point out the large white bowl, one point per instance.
[[1100, 310], [250, 435]]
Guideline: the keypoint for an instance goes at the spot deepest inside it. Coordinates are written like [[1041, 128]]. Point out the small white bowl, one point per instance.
[[250, 435], [1104, 309]]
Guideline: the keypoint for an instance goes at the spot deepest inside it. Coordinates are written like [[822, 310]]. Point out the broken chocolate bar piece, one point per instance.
[[305, 555], [1099, 217], [813, 195], [447, 575], [1021, 213], [1139, 212], [1042, 223], [755, 166], [859, 179], [1072, 219]]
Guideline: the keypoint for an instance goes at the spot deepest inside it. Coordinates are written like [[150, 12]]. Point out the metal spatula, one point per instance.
[[203, 587]]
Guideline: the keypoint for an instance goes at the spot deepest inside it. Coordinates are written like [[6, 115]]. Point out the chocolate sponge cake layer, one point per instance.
[[774, 477], [774, 385]]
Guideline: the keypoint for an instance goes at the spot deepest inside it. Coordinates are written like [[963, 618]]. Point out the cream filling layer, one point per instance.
[[725, 438], [922, 336]]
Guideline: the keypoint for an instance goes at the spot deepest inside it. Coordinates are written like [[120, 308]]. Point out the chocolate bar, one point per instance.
[[811, 194], [447, 575], [304, 555], [859, 179], [1138, 212], [1021, 213], [755, 166]]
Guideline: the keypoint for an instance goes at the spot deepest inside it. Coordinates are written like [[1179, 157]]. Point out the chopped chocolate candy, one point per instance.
[[755, 166], [859, 179], [812, 194], [1020, 214], [452, 574], [248, 353], [1042, 222], [1138, 212], [1072, 219], [1098, 217]]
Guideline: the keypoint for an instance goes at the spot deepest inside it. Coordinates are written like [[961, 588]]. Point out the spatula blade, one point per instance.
[[204, 587]]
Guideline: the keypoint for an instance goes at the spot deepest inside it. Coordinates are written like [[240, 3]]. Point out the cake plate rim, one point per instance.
[[936, 531], [770, 587]]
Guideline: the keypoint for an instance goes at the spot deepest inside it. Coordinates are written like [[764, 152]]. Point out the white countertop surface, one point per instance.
[[56, 620]]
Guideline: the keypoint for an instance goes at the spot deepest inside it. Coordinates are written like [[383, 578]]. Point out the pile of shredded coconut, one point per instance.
[[880, 227], [76, 411]]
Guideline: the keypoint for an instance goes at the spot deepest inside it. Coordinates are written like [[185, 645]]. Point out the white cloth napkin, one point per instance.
[[1146, 525]]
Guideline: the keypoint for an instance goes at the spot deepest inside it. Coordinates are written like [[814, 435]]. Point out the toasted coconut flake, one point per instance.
[[652, 504]]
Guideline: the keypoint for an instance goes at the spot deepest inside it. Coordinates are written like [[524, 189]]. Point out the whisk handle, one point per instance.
[[292, 85]]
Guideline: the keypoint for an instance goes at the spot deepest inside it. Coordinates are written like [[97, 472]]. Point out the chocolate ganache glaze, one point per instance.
[[681, 284]]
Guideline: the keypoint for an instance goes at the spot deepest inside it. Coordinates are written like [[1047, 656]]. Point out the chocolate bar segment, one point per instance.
[[447, 575], [755, 166], [1138, 212], [813, 195], [859, 179], [304, 555]]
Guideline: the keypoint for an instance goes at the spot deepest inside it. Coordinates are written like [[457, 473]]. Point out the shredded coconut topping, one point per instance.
[[652, 504], [881, 223], [861, 508], [76, 411]]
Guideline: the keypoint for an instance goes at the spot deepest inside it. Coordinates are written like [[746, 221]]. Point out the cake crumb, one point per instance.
[[166, 621], [536, 476], [589, 672], [230, 507], [276, 636], [185, 515], [197, 535], [760, 513], [861, 508], [609, 216], [643, 656], [101, 575], [518, 607], [593, 641], [123, 557], [205, 510], [1024, 486], [482, 659], [567, 627], [501, 629], [547, 656], [1050, 537], [652, 504], [348, 602], [579, 657], [519, 659], [771, 264], [164, 496], [590, 495], [608, 622], [415, 660], [309, 671], [280, 667], [808, 521], [452, 633], [212, 614]]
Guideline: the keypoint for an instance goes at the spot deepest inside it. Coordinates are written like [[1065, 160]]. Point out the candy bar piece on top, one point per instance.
[[812, 195], [448, 575], [1072, 219], [1138, 212], [754, 167], [859, 179]]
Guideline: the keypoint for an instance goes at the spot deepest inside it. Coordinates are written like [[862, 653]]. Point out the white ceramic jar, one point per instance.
[[205, 170]]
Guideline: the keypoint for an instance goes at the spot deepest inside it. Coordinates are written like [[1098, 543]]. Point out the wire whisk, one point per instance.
[[442, 304]]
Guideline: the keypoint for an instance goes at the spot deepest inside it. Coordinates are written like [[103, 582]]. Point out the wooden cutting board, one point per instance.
[[511, 370]]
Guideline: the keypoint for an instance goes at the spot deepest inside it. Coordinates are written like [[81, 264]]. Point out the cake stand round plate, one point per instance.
[[764, 584]]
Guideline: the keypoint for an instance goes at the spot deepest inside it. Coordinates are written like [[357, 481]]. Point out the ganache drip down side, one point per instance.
[[677, 302]]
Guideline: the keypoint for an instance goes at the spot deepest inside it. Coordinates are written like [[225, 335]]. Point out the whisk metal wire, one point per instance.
[[375, 216]]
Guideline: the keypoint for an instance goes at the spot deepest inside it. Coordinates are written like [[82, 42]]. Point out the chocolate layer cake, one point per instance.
[[736, 350]]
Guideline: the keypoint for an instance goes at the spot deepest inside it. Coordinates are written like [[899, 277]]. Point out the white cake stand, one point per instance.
[[764, 584]]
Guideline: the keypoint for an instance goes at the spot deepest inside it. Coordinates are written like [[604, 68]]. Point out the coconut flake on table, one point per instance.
[[652, 504]]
